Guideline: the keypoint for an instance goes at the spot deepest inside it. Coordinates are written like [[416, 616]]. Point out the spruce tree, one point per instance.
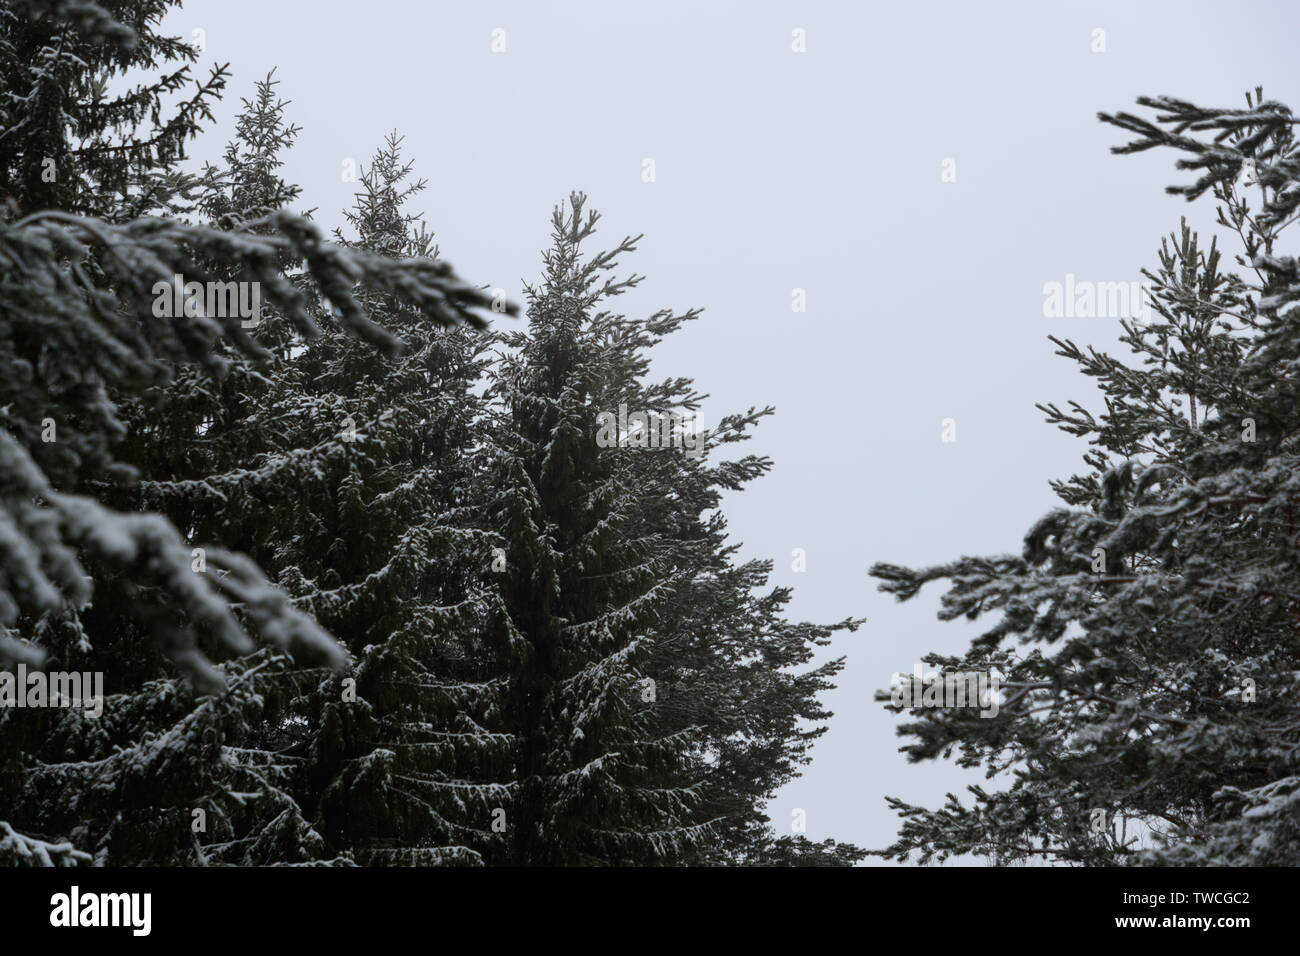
[[581, 585], [71, 139], [385, 547], [653, 706], [213, 463], [80, 336], [1150, 716]]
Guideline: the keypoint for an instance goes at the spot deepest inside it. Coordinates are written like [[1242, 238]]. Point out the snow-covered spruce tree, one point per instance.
[[1153, 717], [67, 141], [247, 462], [210, 464], [79, 333], [581, 588], [382, 546], [654, 721]]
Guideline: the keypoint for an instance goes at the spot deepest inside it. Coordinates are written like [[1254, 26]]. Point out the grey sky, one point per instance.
[[778, 170]]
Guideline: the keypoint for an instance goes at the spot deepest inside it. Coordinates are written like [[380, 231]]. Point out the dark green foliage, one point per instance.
[[87, 576], [657, 705], [363, 585]]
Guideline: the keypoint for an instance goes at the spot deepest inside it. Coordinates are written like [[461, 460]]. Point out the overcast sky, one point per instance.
[[777, 170]]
